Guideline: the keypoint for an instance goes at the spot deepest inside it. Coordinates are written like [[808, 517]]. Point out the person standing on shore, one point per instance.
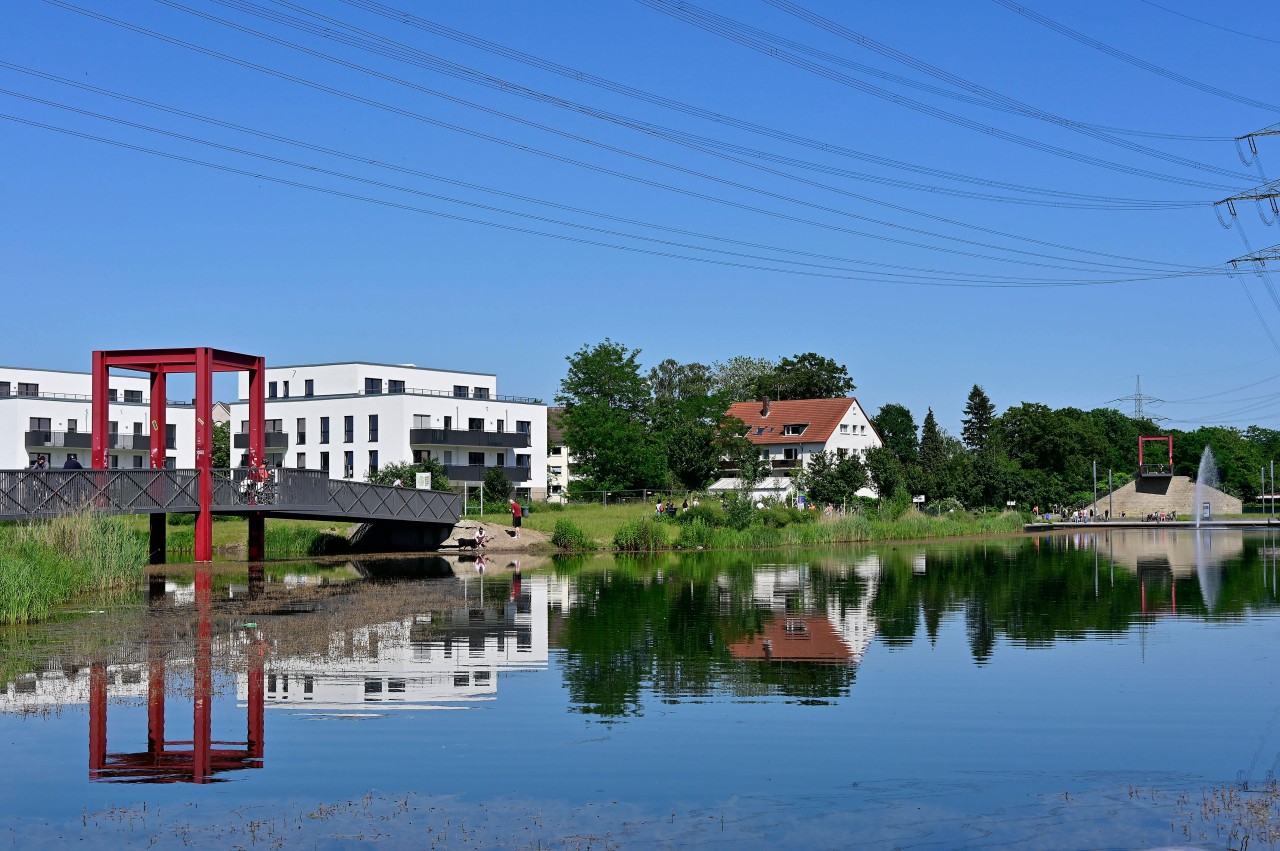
[[516, 514]]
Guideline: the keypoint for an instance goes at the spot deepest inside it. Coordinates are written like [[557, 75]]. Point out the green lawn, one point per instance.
[[597, 521]]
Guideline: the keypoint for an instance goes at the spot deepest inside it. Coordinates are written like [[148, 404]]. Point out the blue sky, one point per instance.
[[103, 246]]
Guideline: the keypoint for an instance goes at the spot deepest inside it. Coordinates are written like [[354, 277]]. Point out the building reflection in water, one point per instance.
[[429, 660]]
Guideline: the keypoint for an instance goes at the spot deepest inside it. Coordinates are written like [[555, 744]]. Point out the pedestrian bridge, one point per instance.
[[305, 494]]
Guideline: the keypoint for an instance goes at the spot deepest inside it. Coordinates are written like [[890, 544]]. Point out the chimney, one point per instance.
[[764, 407]]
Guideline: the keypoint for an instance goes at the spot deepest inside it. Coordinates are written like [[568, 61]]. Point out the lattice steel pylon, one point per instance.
[[1139, 400]]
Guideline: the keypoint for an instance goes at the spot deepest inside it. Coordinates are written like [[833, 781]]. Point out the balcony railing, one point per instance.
[[1155, 470], [60, 439], [271, 440], [475, 472], [465, 437], [489, 397], [39, 439]]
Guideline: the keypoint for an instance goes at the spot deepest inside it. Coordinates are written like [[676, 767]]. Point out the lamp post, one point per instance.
[[1093, 511]]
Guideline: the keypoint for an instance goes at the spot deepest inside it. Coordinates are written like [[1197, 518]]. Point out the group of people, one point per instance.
[[41, 463], [668, 507], [517, 515]]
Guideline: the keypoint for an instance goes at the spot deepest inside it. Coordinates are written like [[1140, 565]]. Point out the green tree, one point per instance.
[[407, 474], [830, 479], [933, 458], [606, 420], [979, 414], [221, 454], [806, 376], [736, 378], [497, 487], [674, 380], [897, 428], [886, 472], [684, 414], [743, 455]]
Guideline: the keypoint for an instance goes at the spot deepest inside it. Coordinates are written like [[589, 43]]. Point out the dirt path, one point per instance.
[[502, 538]]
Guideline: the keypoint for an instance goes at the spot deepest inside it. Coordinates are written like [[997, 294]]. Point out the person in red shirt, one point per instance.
[[516, 514]]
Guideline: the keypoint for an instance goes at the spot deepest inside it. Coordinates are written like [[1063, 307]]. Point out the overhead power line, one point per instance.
[[406, 18], [1133, 60], [578, 138], [1211, 24], [732, 30], [470, 220]]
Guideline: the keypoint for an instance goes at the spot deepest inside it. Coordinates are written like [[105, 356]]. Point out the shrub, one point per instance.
[[740, 512], [567, 536], [497, 487], [710, 517], [640, 535], [695, 534]]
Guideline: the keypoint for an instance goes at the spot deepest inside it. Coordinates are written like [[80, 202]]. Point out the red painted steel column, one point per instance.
[[204, 452], [257, 450], [101, 412], [202, 711], [155, 707], [97, 716], [256, 703], [158, 454], [1171, 455]]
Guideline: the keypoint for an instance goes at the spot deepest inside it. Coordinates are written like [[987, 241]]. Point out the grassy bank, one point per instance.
[[45, 564], [634, 527], [284, 538]]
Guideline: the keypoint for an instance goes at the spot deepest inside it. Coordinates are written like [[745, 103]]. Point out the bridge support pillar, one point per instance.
[[158, 542], [257, 537]]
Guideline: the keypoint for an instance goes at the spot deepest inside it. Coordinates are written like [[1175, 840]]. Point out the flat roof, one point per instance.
[[375, 363]]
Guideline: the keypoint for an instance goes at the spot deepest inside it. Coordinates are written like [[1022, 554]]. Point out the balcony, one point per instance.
[[475, 472], [1155, 470], [40, 439], [60, 439], [272, 440], [466, 437]]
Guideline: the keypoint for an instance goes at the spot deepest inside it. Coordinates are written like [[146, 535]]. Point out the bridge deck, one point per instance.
[[36, 494]]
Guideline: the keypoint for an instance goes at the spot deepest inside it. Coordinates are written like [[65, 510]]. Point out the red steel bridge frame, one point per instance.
[[204, 362], [1142, 441]]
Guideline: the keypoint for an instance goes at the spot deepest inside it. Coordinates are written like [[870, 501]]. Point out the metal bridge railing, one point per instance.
[[270, 487], [56, 493], [358, 499]]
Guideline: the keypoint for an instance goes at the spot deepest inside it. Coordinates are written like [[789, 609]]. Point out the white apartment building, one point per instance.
[[558, 460], [47, 413], [352, 418]]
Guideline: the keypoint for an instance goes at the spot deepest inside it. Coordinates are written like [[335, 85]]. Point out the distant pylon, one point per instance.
[[1139, 400]]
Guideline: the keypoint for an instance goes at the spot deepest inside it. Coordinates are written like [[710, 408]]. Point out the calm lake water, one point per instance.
[[1081, 691]]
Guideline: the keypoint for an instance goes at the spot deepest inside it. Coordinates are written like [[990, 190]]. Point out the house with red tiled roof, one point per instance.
[[790, 432]]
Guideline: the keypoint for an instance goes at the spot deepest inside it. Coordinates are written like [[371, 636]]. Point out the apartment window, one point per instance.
[[475, 423], [4, 388], [372, 386], [302, 461], [348, 464], [302, 431], [271, 390], [448, 457], [113, 427], [522, 460], [113, 461], [480, 393], [500, 459], [275, 459], [170, 436], [373, 461], [170, 463], [557, 450], [324, 429], [285, 385], [137, 428], [422, 421], [72, 427], [502, 426], [556, 471], [244, 426], [39, 424], [460, 390], [794, 429], [274, 426], [348, 429], [373, 428], [842, 453], [791, 453], [475, 459], [844, 428], [111, 395], [25, 389], [523, 426], [309, 387], [448, 423], [133, 395], [324, 461], [394, 386], [864, 429], [137, 462]]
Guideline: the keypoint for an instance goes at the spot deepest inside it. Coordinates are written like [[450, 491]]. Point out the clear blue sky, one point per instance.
[[107, 247]]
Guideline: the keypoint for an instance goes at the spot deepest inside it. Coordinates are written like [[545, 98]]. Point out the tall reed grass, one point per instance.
[[45, 563]]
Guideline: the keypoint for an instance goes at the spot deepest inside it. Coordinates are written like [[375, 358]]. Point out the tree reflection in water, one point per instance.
[[685, 626]]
